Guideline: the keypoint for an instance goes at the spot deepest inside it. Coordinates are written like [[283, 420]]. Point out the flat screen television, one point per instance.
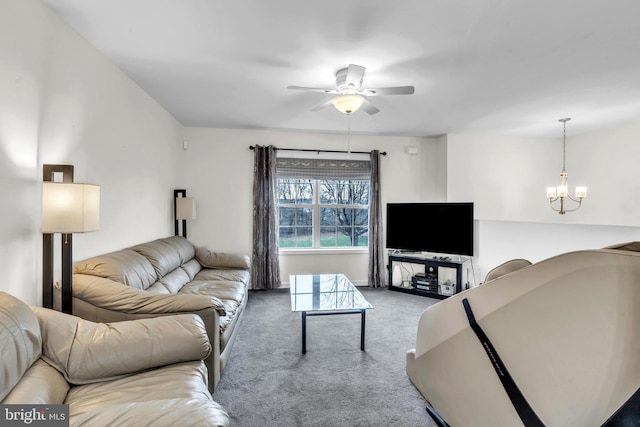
[[445, 228]]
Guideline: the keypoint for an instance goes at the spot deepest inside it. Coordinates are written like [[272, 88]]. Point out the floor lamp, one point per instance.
[[184, 208], [67, 208]]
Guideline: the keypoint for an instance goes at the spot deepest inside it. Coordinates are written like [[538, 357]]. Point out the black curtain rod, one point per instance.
[[384, 153]]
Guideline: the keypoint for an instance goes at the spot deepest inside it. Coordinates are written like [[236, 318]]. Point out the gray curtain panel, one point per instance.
[[265, 265], [377, 272]]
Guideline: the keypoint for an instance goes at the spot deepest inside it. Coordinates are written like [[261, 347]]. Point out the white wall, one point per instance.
[[220, 178], [63, 102], [506, 178]]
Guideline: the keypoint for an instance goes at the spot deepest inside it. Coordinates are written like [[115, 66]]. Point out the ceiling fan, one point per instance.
[[350, 95]]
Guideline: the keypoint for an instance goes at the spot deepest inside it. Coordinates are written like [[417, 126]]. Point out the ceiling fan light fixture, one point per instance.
[[348, 104]]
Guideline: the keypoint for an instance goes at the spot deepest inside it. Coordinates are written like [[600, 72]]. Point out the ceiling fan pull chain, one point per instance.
[[348, 134]]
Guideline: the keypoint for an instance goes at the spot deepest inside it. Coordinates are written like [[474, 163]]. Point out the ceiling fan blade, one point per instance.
[[369, 107], [312, 89], [398, 90], [322, 105], [355, 74]]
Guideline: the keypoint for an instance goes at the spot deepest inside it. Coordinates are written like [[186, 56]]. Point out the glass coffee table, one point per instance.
[[324, 295]]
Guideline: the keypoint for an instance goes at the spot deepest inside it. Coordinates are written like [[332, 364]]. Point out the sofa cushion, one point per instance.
[[154, 413], [230, 293], [210, 274], [223, 290], [172, 395], [158, 288], [175, 280], [182, 246], [126, 266], [21, 341], [191, 267], [166, 254], [40, 385]]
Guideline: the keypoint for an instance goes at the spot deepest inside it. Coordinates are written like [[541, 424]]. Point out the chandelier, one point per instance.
[[561, 192]]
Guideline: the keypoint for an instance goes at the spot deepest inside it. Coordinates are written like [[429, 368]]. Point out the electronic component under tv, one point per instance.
[[445, 228]]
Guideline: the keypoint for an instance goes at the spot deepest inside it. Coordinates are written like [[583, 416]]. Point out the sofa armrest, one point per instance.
[[110, 295], [87, 352], [222, 260]]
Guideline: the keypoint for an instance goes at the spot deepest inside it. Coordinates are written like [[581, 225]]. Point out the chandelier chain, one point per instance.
[[564, 145]]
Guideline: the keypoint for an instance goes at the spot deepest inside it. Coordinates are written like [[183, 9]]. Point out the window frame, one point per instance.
[[316, 225]]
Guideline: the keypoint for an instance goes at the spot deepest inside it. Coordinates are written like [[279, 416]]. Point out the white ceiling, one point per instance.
[[482, 66]]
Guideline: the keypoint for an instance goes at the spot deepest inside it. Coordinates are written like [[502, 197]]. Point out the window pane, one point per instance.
[[304, 237], [304, 192], [346, 216], [327, 192], [361, 217], [327, 216], [360, 192], [345, 236], [295, 216], [286, 192], [344, 191], [362, 236], [287, 217], [328, 237], [298, 191], [304, 216]]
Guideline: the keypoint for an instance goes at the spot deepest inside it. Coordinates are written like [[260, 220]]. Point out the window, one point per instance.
[[323, 204]]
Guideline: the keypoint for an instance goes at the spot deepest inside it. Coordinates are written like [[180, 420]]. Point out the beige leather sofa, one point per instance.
[[138, 373], [567, 329], [163, 277]]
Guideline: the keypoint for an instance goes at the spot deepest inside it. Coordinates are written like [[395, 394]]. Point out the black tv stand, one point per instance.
[[436, 275]]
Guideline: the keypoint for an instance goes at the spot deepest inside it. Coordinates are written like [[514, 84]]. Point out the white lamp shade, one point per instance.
[[70, 207], [185, 208], [581, 192], [348, 103]]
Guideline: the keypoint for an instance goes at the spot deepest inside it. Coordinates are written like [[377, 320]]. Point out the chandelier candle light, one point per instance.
[[561, 192]]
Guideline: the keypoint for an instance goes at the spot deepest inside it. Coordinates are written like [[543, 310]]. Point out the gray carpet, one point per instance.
[[268, 382]]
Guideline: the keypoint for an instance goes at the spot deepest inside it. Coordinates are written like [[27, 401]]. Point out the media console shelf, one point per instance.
[[432, 275]]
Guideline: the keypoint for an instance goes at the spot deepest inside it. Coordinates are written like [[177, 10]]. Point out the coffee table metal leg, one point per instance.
[[304, 332], [362, 329]]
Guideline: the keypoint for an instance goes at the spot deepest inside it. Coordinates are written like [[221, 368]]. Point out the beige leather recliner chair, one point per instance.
[[506, 268], [146, 372], [567, 329]]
